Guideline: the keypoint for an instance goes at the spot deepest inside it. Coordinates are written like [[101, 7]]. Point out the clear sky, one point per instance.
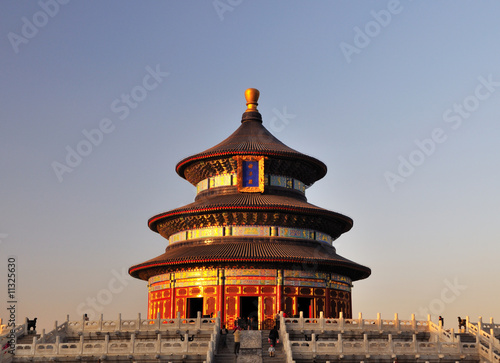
[[399, 99]]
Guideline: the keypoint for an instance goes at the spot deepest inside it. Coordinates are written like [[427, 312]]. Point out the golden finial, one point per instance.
[[252, 96]]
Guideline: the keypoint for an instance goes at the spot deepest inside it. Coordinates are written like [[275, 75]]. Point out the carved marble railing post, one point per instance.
[[301, 319], [132, 342], [58, 341], [397, 324], [413, 322], [458, 340], [198, 321], [214, 342], [33, 346], [379, 321], [341, 321], [81, 344], [158, 343], [138, 322], [186, 343], [106, 343], [365, 343], [341, 343], [313, 343], [178, 320], [158, 326], [321, 321], [361, 322], [390, 343], [83, 324], [217, 331], [119, 325], [285, 337], [289, 349], [415, 343], [101, 317]]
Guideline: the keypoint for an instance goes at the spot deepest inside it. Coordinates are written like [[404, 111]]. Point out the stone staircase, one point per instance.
[[466, 337], [226, 354], [27, 338], [279, 355]]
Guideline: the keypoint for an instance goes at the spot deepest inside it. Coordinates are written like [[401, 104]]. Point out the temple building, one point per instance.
[[250, 245]]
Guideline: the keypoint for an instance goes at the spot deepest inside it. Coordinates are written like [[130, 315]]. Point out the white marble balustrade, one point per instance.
[[115, 347], [205, 332], [360, 324]]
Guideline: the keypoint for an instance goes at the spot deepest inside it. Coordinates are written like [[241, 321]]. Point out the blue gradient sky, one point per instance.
[[430, 238]]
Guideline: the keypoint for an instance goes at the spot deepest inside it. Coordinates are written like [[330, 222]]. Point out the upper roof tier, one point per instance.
[[251, 138]]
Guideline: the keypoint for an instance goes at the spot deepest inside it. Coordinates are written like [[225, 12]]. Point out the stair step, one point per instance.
[[27, 339]]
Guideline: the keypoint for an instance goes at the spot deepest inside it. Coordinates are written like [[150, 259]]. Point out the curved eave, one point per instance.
[[317, 164], [356, 273], [179, 212]]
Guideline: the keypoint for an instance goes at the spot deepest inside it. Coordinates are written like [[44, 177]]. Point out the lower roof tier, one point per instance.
[[254, 252]]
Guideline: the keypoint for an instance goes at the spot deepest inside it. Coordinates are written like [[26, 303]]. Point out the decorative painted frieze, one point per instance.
[[226, 180], [251, 231]]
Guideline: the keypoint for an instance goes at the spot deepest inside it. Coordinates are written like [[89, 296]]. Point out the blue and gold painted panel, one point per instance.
[[196, 282], [251, 231], [305, 274], [251, 272], [250, 173], [339, 286], [195, 274], [304, 282], [158, 278], [250, 280], [340, 278], [295, 233]]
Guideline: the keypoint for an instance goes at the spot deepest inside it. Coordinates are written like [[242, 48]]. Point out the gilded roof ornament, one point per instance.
[[252, 96]]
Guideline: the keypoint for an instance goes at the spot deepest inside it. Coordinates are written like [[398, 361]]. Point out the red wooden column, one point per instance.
[[220, 295], [279, 291], [328, 313], [172, 295]]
